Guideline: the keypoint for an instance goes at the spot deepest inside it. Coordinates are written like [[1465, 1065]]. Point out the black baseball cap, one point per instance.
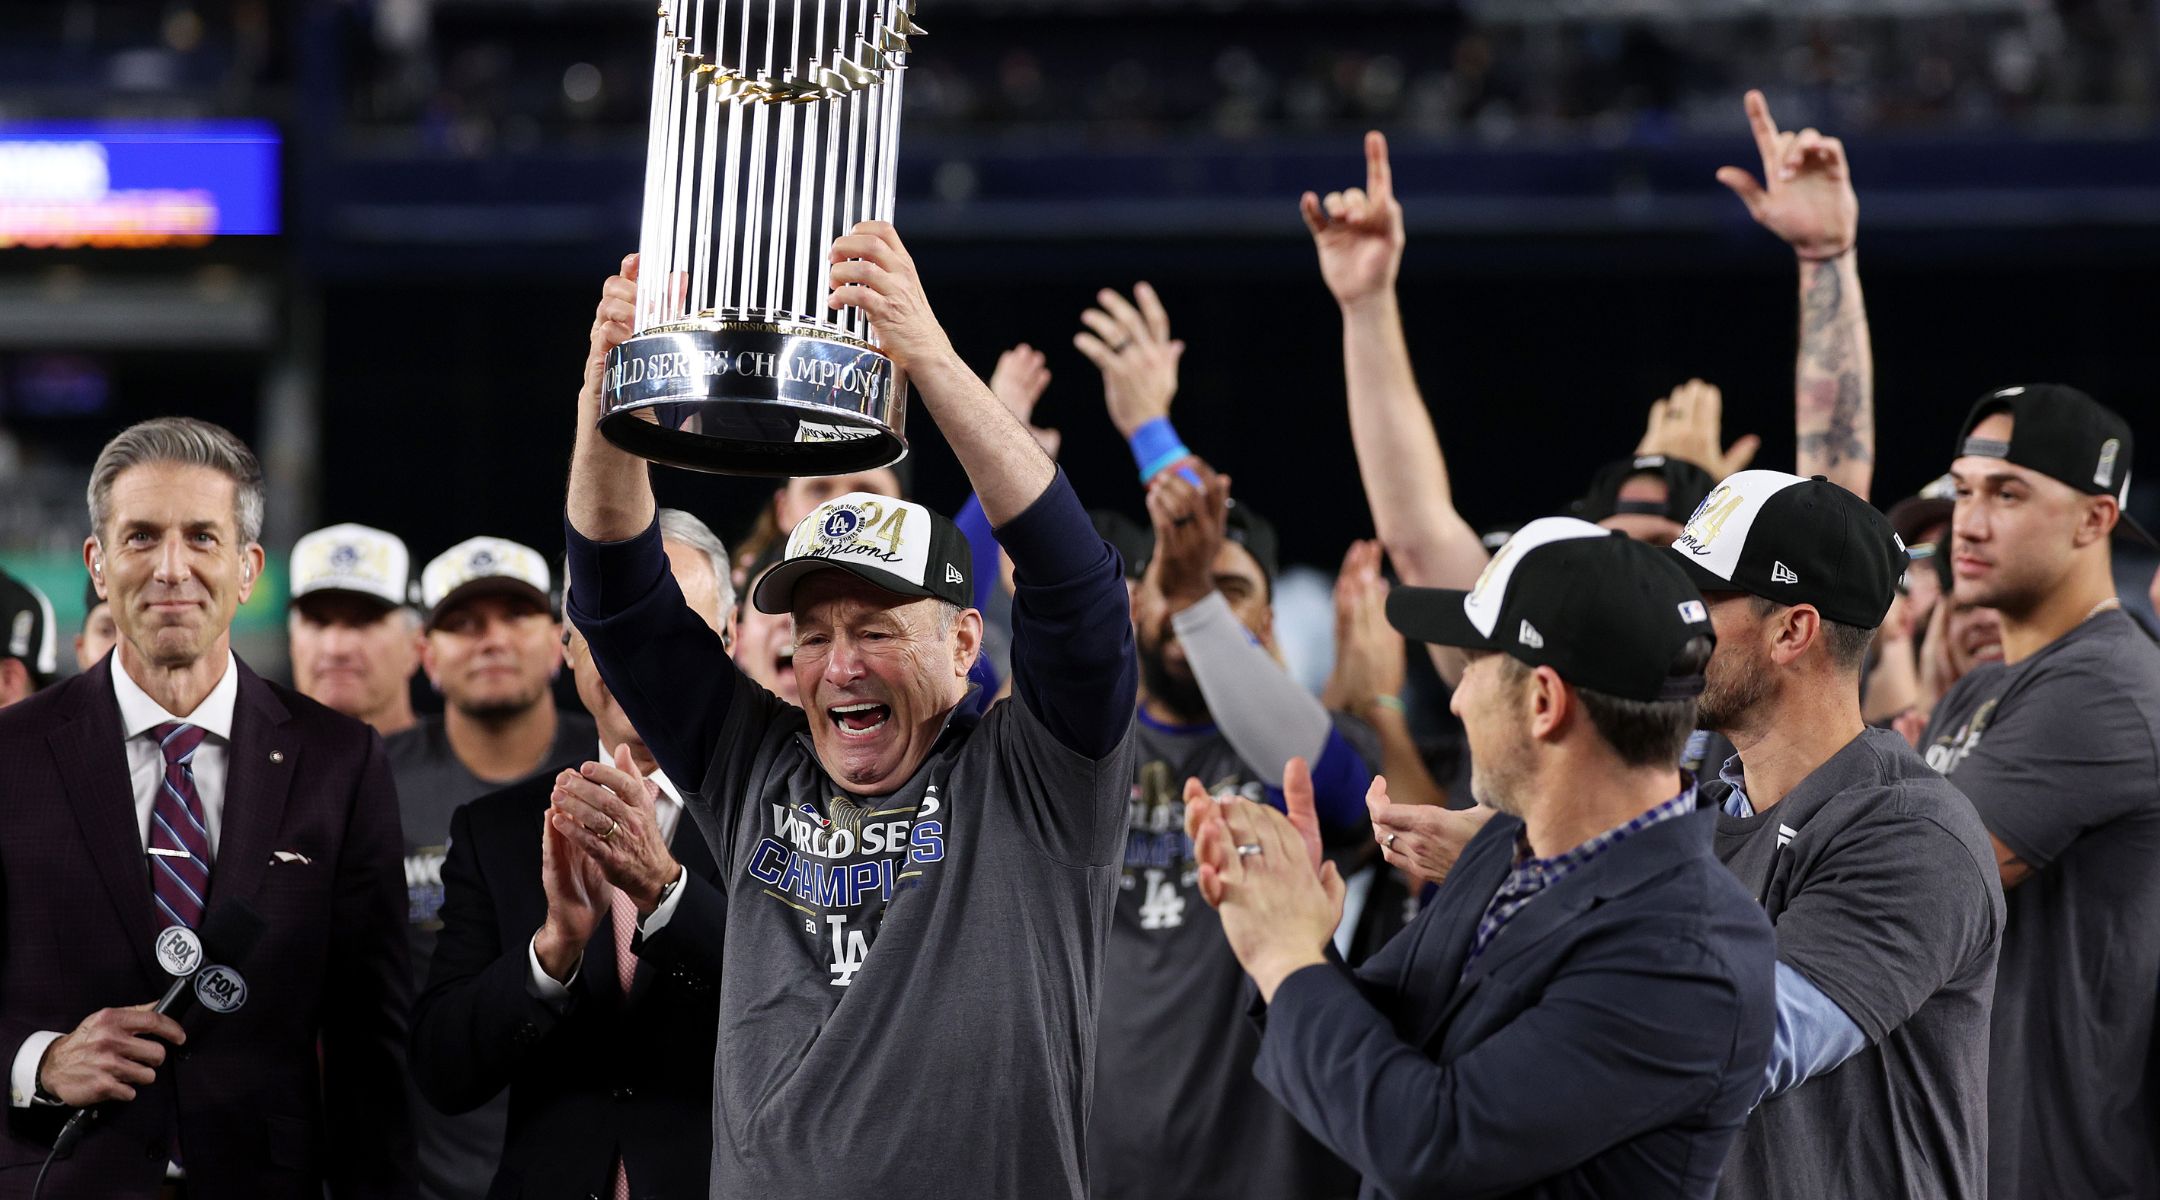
[[1134, 542], [898, 545], [2065, 435], [1795, 541], [26, 629], [1931, 506], [1607, 612], [1685, 486], [1257, 534]]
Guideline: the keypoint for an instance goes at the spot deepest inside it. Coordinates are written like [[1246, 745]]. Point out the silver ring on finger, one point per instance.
[[1249, 849], [1389, 844]]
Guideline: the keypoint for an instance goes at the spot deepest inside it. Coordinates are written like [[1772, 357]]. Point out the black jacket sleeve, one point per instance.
[[476, 1020], [367, 999], [694, 938]]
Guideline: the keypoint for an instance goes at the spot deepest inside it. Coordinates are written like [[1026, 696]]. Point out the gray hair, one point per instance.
[[679, 526], [189, 442]]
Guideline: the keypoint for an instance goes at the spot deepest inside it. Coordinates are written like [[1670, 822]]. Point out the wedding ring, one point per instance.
[[1248, 850], [613, 825], [1389, 844]]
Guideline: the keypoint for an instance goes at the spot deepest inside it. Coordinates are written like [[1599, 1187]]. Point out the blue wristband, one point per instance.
[[1156, 445]]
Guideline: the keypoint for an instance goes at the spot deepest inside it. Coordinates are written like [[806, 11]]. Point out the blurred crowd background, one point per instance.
[[442, 185]]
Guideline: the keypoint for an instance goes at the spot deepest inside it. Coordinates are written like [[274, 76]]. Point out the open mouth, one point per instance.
[[859, 720]]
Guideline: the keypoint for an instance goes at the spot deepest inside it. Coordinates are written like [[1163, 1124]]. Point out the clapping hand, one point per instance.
[[1263, 872]]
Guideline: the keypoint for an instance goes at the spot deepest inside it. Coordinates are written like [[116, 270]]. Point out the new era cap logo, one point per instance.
[[1529, 636], [2104, 474], [1780, 573], [953, 575]]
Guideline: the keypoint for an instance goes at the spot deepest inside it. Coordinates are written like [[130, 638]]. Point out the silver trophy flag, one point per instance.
[[774, 127]]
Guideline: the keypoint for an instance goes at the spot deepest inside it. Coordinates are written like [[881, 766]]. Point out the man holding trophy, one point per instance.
[[917, 898]]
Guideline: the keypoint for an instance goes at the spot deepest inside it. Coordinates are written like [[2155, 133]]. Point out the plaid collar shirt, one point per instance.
[[1532, 876]]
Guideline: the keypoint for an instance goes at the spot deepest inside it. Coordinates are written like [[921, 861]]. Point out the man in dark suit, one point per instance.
[[586, 983], [163, 782], [1586, 1006]]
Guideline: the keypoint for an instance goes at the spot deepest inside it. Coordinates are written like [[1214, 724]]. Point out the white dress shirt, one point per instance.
[[667, 811], [139, 714]]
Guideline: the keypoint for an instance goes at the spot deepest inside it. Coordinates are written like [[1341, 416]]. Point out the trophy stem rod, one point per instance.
[[723, 271], [655, 165], [830, 166], [754, 211], [662, 266], [708, 174], [807, 249], [776, 255], [888, 170], [680, 265]]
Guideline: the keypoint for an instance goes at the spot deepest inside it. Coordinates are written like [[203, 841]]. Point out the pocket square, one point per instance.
[[289, 856]]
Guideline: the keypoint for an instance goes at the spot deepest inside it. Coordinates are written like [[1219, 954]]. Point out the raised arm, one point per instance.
[[1809, 203], [1359, 236], [665, 665], [873, 271], [611, 495]]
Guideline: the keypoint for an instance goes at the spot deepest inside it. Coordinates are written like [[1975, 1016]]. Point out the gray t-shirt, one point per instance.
[[458, 1154], [2061, 756], [908, 1002], [1177, 1110], [1880, 883]]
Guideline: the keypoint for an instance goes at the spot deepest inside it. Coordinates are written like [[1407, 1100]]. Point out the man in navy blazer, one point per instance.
[[1585, 1008], [526, 990], [162, 783]]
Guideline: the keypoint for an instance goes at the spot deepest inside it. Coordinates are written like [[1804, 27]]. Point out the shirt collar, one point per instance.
[[658, 776], [1735, 777], [1568, 860], [139, 714]]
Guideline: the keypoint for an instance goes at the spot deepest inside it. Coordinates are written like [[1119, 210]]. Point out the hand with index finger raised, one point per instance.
[[1806, 197], [1359, 232]]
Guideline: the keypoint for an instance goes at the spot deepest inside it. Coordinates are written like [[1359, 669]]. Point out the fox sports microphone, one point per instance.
[[229, 933]]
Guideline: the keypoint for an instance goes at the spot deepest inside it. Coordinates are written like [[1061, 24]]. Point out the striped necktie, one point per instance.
[[179, 838]]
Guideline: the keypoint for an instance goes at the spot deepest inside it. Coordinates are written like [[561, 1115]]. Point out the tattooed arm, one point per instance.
[[1809, 203], [1834, 383]]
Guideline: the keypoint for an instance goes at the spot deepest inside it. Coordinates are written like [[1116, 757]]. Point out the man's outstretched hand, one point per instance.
[[1688, 424], [1359, 232], [1809, 200], [1021, 376]]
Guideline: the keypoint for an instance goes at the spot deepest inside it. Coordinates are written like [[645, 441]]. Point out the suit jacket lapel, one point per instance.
[[91, 753], [259, 768]]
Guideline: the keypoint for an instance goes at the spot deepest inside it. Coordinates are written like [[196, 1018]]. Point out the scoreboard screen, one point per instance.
[[129, 184]]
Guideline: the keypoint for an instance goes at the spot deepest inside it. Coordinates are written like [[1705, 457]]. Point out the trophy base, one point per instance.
[[755, 398]]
